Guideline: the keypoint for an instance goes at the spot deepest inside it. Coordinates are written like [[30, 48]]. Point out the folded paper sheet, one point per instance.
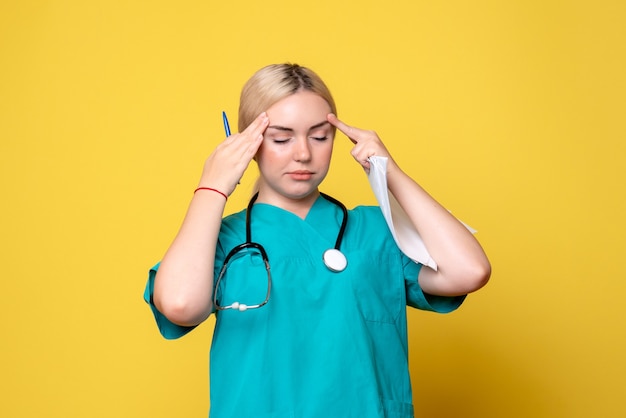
[[403, 231]]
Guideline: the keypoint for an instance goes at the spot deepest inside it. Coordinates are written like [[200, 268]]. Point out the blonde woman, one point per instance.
[[309, 297]]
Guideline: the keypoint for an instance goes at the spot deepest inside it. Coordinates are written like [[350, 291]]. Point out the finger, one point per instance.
[[258, 126], [254, 134], [246, 143], [254, 144], [361, 156], [347, 130]]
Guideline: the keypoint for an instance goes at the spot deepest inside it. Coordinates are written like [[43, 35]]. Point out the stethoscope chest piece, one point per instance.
[[335, 260]]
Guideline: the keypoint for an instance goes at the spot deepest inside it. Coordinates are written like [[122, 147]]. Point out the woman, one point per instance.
[[321, 341]]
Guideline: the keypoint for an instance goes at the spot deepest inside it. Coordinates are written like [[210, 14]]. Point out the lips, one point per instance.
[[300, 174]]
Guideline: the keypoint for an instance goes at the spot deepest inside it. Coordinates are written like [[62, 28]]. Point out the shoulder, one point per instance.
[[233, 224], [234, 217]]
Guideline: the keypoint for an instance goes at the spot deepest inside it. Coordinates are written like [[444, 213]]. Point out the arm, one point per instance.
[[183, 288], [463, 266]]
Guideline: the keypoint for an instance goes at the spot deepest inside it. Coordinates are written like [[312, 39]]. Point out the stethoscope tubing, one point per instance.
[[344, 221], [250, 244], [342, 228]]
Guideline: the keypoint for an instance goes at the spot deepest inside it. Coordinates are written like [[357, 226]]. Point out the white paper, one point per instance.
[[401, 227]]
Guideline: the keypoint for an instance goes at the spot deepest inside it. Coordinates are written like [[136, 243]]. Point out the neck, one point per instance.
[[299, 206]]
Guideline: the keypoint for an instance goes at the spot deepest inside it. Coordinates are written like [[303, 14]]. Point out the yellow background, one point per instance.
[[510, 113]]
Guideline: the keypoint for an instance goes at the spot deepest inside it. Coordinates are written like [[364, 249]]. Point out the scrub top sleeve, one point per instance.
[[168, 329], [416, 298]]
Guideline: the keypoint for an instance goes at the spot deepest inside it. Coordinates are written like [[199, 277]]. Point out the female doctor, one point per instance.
[[301, 331]]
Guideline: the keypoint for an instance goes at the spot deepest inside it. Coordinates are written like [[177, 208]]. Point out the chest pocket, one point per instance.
[[378, 285]]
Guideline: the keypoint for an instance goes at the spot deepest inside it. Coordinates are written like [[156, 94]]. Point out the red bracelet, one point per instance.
[[211, 189]]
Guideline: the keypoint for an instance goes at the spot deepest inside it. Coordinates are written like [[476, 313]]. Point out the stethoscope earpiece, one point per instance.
[[239, 306]]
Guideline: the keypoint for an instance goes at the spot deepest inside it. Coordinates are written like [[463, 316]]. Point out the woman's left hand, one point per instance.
[[366, 143]]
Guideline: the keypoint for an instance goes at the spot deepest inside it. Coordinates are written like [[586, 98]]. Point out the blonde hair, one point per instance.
[[275, 82]]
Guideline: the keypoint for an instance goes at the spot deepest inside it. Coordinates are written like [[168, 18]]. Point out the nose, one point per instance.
[[302, 150]]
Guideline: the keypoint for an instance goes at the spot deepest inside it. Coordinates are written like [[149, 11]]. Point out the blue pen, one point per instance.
[[227, 129], [226, 125]]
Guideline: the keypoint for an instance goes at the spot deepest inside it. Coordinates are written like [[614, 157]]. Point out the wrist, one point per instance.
[[211, 189]]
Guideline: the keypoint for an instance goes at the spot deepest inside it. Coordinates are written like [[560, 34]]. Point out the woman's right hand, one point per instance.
[[229, 160]]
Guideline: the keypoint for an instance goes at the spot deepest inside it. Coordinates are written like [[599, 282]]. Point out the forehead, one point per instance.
[[300, 110]]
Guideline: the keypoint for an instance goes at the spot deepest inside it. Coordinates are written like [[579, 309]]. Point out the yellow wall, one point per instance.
[[510, 113]]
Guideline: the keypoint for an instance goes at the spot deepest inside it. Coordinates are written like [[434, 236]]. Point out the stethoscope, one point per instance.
[[333, 258]]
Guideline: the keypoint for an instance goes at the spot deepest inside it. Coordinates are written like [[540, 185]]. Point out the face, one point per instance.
[[295, 154]]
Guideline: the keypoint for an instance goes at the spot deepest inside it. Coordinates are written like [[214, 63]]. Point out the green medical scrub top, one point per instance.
[[327, 344]]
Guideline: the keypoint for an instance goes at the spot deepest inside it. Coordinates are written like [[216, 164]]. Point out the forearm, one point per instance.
[[462, 264], [183, 288], [184, 282]]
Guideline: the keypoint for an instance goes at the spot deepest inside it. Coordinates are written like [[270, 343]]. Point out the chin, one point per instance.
[[300, 196], [291, 190], [299, 193]]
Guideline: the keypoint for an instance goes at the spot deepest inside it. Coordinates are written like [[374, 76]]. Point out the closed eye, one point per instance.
[[280, 140], [320, 138]]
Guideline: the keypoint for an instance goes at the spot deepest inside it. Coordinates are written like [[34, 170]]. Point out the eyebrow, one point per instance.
[[284, 128]]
